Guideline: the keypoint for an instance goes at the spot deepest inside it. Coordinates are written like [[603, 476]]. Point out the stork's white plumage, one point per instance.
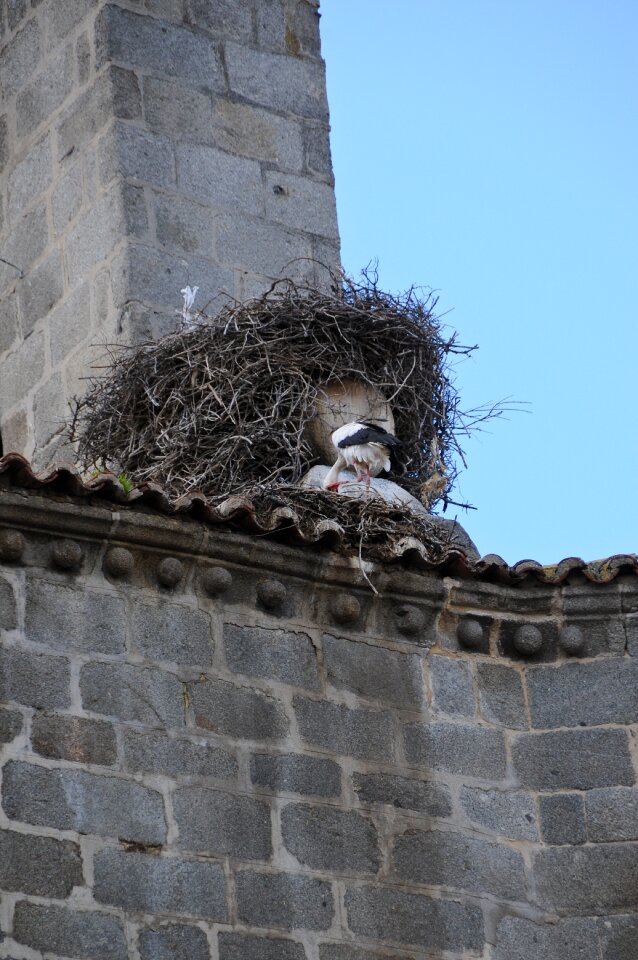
[[363, 446]]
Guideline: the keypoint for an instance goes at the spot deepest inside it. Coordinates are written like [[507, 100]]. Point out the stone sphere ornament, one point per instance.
[[572, 639], [410, 620], [345, 609], [271, 594], [67, 554], [216, 580], [528, 640], [118, 562], [12, 546], [170, 572], [469, 633]]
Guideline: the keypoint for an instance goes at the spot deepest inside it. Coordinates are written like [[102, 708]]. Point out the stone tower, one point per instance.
[[146, 145]]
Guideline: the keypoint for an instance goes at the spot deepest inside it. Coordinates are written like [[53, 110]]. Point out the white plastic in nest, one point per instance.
[[349, 486]]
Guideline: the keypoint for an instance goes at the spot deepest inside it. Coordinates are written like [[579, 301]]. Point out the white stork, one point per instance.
[[363, 446]]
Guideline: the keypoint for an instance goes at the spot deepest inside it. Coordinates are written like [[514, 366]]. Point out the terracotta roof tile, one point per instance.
[[240, 512]]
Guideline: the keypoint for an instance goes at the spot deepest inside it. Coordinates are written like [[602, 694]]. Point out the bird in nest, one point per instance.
[[363, 446]]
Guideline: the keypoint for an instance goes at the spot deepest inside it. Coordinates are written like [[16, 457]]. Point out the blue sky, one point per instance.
[[489, 149]]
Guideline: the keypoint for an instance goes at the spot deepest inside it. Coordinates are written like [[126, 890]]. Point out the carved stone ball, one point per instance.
[[469, 633], [271, 594], [119, 562], [12, 546], [170, 572], [572, 639], [216, 580], [67, 554], [528, 640], [410, 620], [339, 403], [345, 608]]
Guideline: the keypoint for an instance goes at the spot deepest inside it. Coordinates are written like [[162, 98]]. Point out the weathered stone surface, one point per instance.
[[227, 181], [272, 655], [240, 946], [46, 93], [74, 619], [281, 83], [133, 693], [317, 150], [612, 814], [224, 18], [456, 748], [150, 884], [41, 292], [584, 694], [296, 773], [63, 16], [508, 813], [168, 631], [20, 58], [587, 880], [162, 48], [283, 900], [178, 109], [27, 240], [452, 686], [82, 934], [501, 695], [39, 866], [8, 324], [619, 937], [392, 916], [519, 939], [237, 711], [374, 672], [10, 725], [174, 941], [346, 951], [258, 133], [563, 818], [36, 680], [454, 860], [88, 803], [365, 734], [183, 225], [220, 824], [131, 152], [31, 177], [423, 796], [324, 838], [158, 753], [573, 759], [301, 203], [8, 608], [73, 738]]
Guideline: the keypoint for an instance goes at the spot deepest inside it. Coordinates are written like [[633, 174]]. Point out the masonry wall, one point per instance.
[[217, 748], [145, 146]]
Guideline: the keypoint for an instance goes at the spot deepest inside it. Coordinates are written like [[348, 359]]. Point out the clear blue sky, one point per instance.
[[489, 149]]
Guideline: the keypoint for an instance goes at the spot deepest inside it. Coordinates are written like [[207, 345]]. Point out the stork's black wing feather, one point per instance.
[[370, 433]]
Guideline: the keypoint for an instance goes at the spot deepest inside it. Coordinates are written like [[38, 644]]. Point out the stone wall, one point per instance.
[[220, 748], [145, 146]]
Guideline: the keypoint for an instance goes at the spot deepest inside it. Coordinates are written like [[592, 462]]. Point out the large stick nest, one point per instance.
[[221, 405]]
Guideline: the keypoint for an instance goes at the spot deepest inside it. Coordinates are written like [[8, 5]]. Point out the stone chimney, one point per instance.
[[146, 145]]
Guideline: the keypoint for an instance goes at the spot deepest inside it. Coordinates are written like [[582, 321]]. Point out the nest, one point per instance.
[[370, 528], [221, 405]]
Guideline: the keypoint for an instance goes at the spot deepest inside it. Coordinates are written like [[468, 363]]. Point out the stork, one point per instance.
[[364, 446]]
